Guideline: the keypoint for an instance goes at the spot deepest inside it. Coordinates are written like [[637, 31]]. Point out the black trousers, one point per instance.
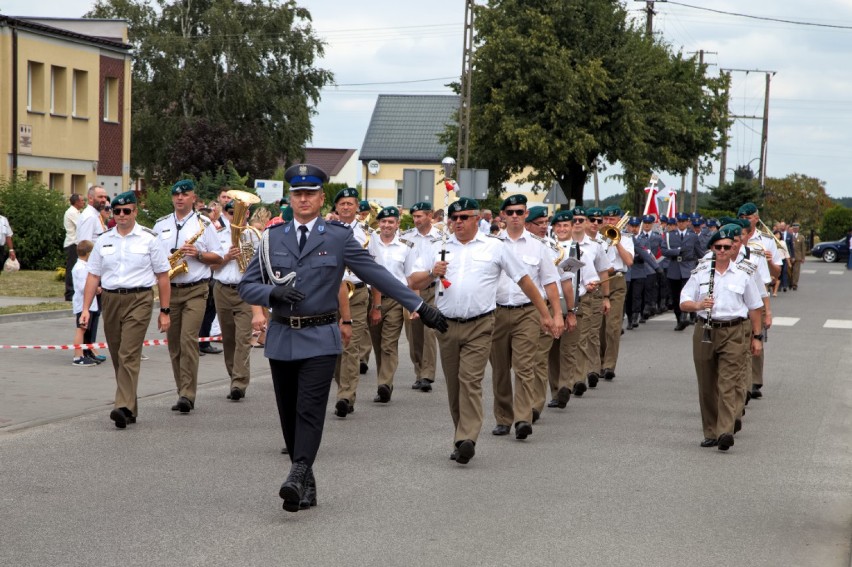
[[209, 313], [635, 295], [70, 260], [675, 287], [301, 391]]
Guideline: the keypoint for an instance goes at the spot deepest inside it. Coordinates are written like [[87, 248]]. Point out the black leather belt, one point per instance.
[[521, 306], [309, 321], [230, 285], [469, 319], [723, 324], [359, 285], [126, 290], [190, 284]]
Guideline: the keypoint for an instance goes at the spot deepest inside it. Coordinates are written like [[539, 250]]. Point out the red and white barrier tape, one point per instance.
[[152, 342]]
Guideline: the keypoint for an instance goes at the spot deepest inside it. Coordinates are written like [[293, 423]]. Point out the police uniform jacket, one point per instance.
[[644, 264], [319, 267], [681, 250]]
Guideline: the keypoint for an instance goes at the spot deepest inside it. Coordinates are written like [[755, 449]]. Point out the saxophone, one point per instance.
[[176, 260]]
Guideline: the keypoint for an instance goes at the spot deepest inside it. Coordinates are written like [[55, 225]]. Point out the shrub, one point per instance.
[[835, 223], [35, 214]]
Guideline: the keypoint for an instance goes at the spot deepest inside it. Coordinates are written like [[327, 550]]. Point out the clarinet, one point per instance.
[[707, 321]]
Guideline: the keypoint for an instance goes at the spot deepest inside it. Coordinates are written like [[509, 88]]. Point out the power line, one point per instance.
[[764, 18], [394, 82]]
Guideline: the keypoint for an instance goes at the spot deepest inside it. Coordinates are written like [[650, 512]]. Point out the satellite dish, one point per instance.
[[373, 167]]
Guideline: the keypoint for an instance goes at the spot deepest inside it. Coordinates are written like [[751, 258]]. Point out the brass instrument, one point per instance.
[[560, 252], [243, 235], [176, 259], [612, 232], [764, 230]]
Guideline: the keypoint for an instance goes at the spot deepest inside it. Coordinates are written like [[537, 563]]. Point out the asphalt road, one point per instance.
[[616, 479]]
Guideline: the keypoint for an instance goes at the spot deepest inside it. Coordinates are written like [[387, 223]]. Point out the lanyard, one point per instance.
[[180, 226]]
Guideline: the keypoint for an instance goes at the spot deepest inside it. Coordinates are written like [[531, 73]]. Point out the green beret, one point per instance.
[[613, 211], [513, 200], [729, 231], [126, 198], [388, 212], [183, 186], [464, 204], [287, 214], [742, 223], [421, 206], [561, 216], [348, 192], [363, 206], [536, 213], [594, 212], [578, 211], [747, 209]]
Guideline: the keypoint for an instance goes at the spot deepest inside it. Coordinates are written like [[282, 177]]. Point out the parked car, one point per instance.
[[831, 251]]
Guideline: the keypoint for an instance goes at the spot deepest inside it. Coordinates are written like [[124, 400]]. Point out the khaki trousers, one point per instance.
[[542, 359], [757, 361], [514, 345], [349, 361], [610, 335], [465, 348], [235, 323], [720, 366], [795, 271], [572, 361], [385, 339], [188, 305], [590, 337], [126, 318], [422, 345], [366, 345]]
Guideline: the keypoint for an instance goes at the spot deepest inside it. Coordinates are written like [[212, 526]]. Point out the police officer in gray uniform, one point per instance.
[[297, 272]]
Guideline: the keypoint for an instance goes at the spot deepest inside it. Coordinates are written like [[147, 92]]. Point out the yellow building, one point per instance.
[[65, 102]]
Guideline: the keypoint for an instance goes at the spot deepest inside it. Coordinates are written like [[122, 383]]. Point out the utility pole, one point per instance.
[[466, 79], [723, 141], [694, 200], [649, 16]]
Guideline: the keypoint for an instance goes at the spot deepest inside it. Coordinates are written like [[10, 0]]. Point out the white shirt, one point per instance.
[[128, 261], [734, 292], [5, 231], [473, 270], [612, 251], [69, 221], [397, 257], [484, 226], [595, 250], [588, 272], [537, 258], [361, 236], [229, 272], [170, 237], [761, 255], [79, 274], [90, 225], [751, 265]]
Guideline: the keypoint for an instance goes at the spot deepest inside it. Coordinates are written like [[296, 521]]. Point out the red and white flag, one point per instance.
[[651, 204], [671, 210], [451, 185]]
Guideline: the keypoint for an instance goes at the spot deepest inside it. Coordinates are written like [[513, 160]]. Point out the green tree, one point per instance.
[[218, 80], [562, 86], [35, 215], [731, 195], [835, 223], [795, 198]]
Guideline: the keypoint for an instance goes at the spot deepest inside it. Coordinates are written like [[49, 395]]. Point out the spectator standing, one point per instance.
[[83, 334], [90, 225], [69, 221], [6, 248]]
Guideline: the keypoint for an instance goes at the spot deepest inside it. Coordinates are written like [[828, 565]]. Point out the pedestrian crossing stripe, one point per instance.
[[836, 272], [838, 324], [784, 321]]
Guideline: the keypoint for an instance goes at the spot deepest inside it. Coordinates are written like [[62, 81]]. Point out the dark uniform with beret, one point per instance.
[[297, 272], [681, 249]]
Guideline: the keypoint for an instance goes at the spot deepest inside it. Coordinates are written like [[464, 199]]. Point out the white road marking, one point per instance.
[[836, 272], [784, 321], [837, 324], [664, 318], [809, 271]]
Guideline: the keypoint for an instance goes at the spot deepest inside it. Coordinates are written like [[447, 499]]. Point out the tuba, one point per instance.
[[243, 235], [612, 232]]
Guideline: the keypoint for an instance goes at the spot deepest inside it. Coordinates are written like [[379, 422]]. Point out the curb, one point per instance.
[[36, 316]]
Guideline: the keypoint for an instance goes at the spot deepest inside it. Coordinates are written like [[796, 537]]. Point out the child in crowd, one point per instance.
[[84, 336]]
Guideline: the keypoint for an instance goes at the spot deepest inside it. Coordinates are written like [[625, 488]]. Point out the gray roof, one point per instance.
[[406, 128]]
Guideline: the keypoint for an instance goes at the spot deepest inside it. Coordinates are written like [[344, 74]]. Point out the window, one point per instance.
[[78, 184], [57, 182], [111, 99], [80, 94], [35, 86], [34, 176], [399, 186], [58, 103]]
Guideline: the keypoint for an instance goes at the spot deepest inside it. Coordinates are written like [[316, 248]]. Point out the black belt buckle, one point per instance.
[[295, 322], [122, 291]]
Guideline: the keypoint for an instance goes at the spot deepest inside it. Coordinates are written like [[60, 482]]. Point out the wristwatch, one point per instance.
[[346, 322], [377, 307], [758, 336], [165, 310]]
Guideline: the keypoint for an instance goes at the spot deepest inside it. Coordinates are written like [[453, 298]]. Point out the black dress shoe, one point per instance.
[[755, 392], [284, 451], [236, 395], [523, 429], [681, 325], [207, 348], [362, 368], [708, 442], [309, 496], [726, 441], [466, 450], [426, 385], [593, 378], [738, 425], [183, 405], [119, 417], [343, 408], [383, 394], [563, 395], [579, 388], [553, 404], [294, 487], [536, 415], [748, 397], [608, 374], [454, 455], [501, 430], [417, 385]]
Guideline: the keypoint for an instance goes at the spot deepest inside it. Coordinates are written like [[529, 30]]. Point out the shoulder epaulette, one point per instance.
[[497, 236], [404, 232], [338, 223], [434, 239], [148, 230], [746, 266], [164, 218], [703, 266], [107, 231], [408, 243]]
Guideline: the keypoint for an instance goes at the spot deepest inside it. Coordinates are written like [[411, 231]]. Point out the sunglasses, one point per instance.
[[725, 247], [512, 212], [579, 221], [599, 221], [125, 211], [456, 218]]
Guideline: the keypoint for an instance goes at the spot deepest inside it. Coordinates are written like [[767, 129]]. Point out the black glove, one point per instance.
[[432, 318], [659, 271], [638, 260], [285, 294]]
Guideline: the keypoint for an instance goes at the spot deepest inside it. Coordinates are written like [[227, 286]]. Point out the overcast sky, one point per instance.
[[394, 46]]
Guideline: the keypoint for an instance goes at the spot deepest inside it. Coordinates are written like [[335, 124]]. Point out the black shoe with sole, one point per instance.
[[236, 395], [383, 394], [536, 415], [608, 374], [501, 430], [593, 379], [726, 441], [738, 425], [362, 368], [563, 395], [207, 348], [183, 405], [417, 384], [579, 388], [426, 385], [343, 408], [309, 495], [121, 417], [709, 442], [553, 404], [756, 394], [293, 488], [523, 430], [466, 450]]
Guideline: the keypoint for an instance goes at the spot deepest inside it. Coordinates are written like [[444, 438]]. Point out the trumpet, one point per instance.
[[243, 235], [764, 230], [612, 232], [176, 259]]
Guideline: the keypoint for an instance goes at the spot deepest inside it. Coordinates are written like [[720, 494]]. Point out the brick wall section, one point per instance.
[[111, 139]]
